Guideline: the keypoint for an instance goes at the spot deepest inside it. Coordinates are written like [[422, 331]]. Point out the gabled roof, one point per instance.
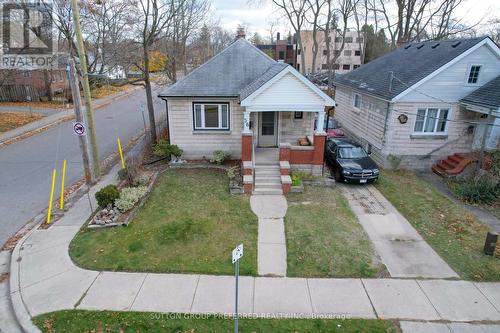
[[262, 79], [226, 74], [409, 64], [486, 96]]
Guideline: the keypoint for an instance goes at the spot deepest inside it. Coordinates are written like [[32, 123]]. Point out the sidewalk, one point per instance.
[[44, 279], [54, 117]]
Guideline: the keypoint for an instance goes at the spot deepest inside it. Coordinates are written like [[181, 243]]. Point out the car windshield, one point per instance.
[[352, 152]]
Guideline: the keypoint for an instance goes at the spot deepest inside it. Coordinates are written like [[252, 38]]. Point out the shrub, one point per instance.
[[129, 197], [296, 180], [495, 163], [141, 180], [219, 157], [131, 171], [232, 172], [477, 191], [107, 196], [163, 149]]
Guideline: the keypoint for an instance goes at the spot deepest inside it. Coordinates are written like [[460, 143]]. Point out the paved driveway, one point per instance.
[[26, 166]]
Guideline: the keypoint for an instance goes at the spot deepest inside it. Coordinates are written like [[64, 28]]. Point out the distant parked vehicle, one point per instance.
[[349, 162], [333, 130]]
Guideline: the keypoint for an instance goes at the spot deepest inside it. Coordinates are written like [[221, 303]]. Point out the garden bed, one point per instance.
[[324, 239], [189, 223]]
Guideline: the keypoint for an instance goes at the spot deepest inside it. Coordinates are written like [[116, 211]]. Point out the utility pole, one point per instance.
[[77, 102], [86, 91]]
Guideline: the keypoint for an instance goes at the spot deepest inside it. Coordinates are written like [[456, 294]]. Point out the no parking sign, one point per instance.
[[79, 128]]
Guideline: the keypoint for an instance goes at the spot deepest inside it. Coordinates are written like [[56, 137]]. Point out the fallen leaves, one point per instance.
[[11, 120]]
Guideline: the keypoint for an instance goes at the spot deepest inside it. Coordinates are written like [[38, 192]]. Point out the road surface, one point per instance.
[[26, 166]]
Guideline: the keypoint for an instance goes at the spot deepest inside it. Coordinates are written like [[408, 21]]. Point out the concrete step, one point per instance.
[[267, 167], [267, 185], [267, 191], [267, 180], [268, 174]]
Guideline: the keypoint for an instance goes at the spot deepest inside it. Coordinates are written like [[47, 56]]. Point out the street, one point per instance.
[[26, 166]]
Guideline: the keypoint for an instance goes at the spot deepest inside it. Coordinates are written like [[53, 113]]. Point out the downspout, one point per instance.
[[167, 122], [389, 109]]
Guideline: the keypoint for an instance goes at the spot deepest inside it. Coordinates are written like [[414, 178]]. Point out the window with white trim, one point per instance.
[[431, 121], [357, 101], [474, 74], [211, 116]]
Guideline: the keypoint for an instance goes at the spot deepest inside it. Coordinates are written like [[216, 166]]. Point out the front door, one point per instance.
[[268, 129]]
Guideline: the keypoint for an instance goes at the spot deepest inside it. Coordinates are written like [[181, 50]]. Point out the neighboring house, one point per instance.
[[424, 101], [281, 50], [348, 59], [245, 103]]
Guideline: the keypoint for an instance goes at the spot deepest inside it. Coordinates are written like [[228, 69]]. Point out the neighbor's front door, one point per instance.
[[268, 129]]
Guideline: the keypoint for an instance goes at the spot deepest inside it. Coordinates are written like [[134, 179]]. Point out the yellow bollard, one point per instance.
[[61, 204], [49, 211], [121, 152]]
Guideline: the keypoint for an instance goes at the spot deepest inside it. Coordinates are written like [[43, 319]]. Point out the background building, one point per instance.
[[281, 49], [349, 58]]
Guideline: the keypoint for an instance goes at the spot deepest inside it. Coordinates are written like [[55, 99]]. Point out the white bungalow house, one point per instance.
[[256, 109], [424, 102]]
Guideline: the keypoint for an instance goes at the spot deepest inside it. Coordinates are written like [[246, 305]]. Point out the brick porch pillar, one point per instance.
[[246, 146], [285, 152], [319, 148]]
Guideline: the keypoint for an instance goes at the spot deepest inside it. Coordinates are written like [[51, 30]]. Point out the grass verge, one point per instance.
[[324, 239], [72, 321], [453, 233], [190, 223], [11, 120]]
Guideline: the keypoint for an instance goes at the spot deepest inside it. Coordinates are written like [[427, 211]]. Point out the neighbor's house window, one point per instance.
[[357, 53], [338, 39], [281, 55], [474, 74], [357, 101], [325, 52], [431, 120], [348, 39], [355, 66], [346, 67], [211, 116], [347, 53]]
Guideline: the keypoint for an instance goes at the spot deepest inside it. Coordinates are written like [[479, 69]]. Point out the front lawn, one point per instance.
[[453, 233], [190, 223], [324, 239], [11, 120], [72, 321]]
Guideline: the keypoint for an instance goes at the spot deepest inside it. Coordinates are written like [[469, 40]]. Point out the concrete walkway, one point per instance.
[[271, 244], [403, 251], [44, 279]]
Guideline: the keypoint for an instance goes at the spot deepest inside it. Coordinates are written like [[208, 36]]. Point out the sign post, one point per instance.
[[237, 254]]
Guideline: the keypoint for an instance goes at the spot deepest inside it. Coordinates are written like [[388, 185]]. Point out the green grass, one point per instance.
[[324, 239], [77, 321], [453, 233], [190, 223]]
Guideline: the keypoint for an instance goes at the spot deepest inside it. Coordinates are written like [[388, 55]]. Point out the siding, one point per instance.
[[201, 144], [288, 90], [450, 85]]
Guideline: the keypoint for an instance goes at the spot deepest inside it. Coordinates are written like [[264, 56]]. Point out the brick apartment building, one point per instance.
[[349, 58], [281, 49]]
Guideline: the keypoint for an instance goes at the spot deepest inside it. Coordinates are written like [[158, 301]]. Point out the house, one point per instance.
[[281, 49], [254, 108], [348, 59], [423, 102]]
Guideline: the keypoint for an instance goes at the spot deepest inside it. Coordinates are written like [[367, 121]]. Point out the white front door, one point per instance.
[[268, 129]]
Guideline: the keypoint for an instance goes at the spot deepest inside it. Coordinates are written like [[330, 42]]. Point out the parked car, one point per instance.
[[349, 162], [332, 129]]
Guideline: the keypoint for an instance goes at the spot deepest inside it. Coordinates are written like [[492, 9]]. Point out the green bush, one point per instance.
[[141, 180], [107, 196], [495, 163], [219, 157], [296, 179], [477, 191], [163, 149], [232, 172], [129, 197]]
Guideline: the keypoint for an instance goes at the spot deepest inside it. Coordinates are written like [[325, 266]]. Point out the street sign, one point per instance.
[[237, 253], [79, 128]]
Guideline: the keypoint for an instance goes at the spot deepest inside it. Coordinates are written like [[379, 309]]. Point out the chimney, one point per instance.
[[240, 32], [277, 36]]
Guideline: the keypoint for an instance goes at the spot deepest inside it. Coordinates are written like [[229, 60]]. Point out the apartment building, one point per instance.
[[281, 50], [349, 58]]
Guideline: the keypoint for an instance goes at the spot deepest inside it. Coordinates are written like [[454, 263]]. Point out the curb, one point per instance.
[[63, 119]]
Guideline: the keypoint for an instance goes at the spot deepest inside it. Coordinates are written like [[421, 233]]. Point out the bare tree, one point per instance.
[[314, 8], [295, 12], [272, 27]]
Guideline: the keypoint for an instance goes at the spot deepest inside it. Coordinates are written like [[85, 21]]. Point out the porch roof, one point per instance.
[[487, 96]]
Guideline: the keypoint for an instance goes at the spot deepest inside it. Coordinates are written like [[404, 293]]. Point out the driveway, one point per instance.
[[26, 166]]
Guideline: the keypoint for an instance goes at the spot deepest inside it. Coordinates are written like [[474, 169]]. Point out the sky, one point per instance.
[[231, 13]]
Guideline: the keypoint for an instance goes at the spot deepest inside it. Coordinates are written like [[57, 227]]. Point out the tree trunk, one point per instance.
[[302, 55], [149, 97]]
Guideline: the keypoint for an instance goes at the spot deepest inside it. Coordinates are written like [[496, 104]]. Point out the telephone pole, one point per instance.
[[86, 91], [77, 103]]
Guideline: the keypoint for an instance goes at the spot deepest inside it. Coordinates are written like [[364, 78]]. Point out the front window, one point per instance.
[[211, 116], [352, 152], [474, 74], [357, 101], [431, 120]]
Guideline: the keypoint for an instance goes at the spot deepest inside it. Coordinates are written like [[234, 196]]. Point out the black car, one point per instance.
[[349, 162]]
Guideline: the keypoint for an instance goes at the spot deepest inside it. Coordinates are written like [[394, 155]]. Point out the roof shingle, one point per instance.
[[487, 96]]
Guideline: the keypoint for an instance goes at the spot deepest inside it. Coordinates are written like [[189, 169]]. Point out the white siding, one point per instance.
[[451, 84], [288, 90], [201, 144]]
